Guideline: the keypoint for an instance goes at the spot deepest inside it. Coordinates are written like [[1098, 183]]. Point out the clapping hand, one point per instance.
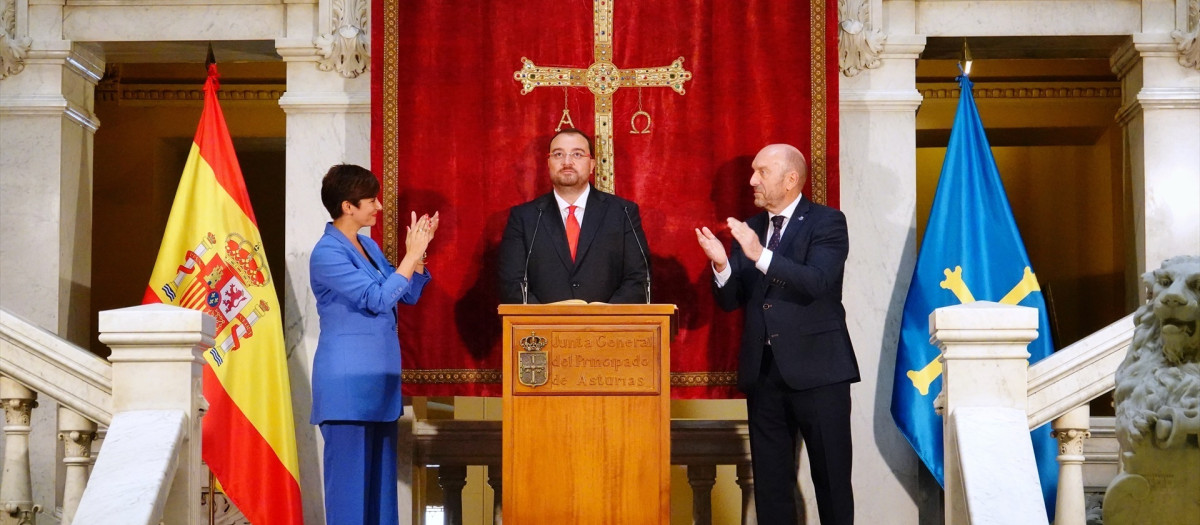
[[746, 237], [712, 248], [420, 232]]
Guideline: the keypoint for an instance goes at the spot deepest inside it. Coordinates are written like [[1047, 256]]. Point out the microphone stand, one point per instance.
[[525, 277]]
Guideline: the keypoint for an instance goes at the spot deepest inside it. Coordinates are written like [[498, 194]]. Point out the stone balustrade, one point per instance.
[[154, 379], [452, 445]]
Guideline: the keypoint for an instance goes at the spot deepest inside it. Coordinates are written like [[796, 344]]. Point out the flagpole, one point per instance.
[[212, 500]]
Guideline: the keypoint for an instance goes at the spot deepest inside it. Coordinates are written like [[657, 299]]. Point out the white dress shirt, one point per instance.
[[564, 206]]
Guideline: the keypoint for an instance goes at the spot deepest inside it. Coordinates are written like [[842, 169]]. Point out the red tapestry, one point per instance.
[[452, 132]]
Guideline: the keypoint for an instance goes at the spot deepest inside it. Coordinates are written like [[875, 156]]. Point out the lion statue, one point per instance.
[[1157, 401]]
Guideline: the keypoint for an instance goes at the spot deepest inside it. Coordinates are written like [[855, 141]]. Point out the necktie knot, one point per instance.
[[777, 222]]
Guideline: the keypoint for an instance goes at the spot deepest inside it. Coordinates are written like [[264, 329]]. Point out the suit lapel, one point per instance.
[[552, 222], [593, 215], [363, 264], [795, 224]]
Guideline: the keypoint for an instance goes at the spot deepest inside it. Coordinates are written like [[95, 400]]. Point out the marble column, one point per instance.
[[46, 129], [1160, 115], [328, 122], [878, 195]]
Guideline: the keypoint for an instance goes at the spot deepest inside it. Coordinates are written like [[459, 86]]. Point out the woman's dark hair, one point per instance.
[[347, 182]]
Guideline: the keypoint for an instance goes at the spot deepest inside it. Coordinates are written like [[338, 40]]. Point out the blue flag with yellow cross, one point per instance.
[[971, 251]]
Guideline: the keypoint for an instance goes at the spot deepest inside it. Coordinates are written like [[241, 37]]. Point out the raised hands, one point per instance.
[[419, 233]]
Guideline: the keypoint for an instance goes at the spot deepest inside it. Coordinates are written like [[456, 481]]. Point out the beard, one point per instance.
[[760, 200], [568, 178]]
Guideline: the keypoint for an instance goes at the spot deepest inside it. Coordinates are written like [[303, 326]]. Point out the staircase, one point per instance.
[[148, 394]]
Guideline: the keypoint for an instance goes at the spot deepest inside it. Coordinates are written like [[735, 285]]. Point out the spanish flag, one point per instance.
[[211, 259]]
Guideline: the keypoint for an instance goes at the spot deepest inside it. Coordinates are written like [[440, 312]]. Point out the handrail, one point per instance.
[[132, 479], [1078, 373], [44, 362]]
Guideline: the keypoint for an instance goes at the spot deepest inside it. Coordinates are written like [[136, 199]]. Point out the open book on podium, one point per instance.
[[587, 413]]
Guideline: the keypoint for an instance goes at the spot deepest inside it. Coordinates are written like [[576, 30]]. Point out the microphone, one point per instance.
[[640, 249], [533, 239]]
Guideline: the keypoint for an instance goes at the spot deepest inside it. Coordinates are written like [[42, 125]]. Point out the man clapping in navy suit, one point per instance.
[[796, 362]]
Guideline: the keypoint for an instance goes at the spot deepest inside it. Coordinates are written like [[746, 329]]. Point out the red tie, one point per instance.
[[572, 230]]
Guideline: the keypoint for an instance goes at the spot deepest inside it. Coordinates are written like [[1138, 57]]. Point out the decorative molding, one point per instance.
[[297, 50], [1124, 59], [859, 44], [1169, 98], [326, 102], [1027, 92], [449, 375], [443, 376], [1187, 40], [1127, 113], [12, 47], [346, 48], [173, 93], [111, 89], [904, 101], [703, 379]]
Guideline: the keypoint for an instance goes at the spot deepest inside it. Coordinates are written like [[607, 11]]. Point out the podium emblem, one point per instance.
[[533, 369]]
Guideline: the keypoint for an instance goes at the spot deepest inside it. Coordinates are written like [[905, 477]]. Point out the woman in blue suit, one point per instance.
[[356, 371]]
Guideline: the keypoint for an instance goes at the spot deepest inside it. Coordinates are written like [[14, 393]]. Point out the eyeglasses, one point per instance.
[[562, 155]]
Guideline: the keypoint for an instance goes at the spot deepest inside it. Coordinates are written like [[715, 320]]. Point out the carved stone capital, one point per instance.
[[345, 48], [17, 411], [859, 44], [1070, 441], [1187, 41], [12, 47], [77, 445]]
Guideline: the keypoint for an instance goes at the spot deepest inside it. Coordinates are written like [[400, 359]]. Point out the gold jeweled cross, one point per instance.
[[602, 78]]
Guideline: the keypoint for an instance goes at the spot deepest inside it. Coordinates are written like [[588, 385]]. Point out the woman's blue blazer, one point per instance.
[[356, 370]]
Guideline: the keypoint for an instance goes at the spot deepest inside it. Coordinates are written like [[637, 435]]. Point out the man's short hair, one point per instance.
[[347, 182], [591, 148]]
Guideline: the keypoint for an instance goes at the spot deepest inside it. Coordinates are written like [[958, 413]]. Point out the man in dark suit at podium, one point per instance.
[[574, 242], [796, 362]]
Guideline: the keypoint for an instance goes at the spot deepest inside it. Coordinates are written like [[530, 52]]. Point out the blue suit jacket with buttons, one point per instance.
[[356, 370], [797, 304]]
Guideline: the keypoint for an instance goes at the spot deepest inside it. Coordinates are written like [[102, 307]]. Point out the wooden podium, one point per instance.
[[587, 413]]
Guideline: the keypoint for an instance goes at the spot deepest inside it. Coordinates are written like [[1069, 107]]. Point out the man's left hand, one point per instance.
[[746, 237]]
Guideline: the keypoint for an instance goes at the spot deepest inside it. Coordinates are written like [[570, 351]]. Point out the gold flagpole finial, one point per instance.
[[965, 64]]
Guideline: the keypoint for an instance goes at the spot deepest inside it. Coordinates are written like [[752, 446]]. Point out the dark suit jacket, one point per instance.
[[797, 304], [609, 266]]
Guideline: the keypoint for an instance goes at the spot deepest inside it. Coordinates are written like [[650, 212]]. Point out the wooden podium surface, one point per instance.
[[587, 413]]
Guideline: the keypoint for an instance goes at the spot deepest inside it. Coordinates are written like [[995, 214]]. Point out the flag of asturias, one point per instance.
[[211, 259], [971, 251]]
